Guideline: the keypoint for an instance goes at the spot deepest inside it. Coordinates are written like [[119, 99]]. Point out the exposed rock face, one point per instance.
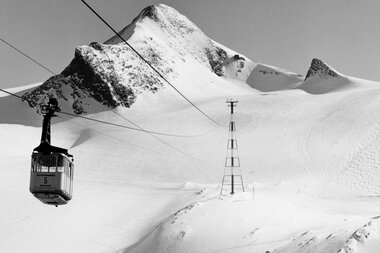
[[92, 74], [321, 69], [322, 79], [112, 74], [216, 57]]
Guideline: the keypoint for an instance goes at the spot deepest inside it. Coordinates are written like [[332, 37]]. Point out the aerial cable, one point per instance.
[[27, 56], [109, 136], [158, 139], [12, 94], [138, 127], [122, 126], [30, 58], [150, 132], [104, 122], [172, 135], [149, 64], [109, 123], [19, 97]]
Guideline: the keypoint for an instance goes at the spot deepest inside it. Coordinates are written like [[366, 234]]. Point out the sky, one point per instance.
[[283, 33]]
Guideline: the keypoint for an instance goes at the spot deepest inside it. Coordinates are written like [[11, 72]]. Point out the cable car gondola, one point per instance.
[[52, 169]]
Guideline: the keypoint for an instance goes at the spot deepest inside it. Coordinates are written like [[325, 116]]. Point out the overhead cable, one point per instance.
[[109, 136], [17, 96], [158, 139], [104, 122], [139, 128], [12, 94], [122, 126], [149, 64], [27, 56]]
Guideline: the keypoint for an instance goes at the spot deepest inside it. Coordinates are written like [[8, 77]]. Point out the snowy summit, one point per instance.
[[114, 75]]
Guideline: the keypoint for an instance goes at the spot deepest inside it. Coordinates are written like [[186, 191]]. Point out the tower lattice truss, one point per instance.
[[232, 173]]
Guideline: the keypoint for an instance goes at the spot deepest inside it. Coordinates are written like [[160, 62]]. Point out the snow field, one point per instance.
[[298, 149], [309, 149]]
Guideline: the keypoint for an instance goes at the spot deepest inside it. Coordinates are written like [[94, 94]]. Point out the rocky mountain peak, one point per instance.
[[113, 75], [129, 30], [320, 69], [169, 20]]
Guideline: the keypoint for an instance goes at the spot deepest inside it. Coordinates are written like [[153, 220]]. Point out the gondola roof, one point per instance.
[[47, 148]]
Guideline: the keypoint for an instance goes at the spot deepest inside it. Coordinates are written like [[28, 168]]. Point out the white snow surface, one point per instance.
[[309, 153], [309, 163]]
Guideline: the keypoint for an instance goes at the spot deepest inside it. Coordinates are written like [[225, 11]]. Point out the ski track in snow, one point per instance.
[[301, 155], [361, 167]]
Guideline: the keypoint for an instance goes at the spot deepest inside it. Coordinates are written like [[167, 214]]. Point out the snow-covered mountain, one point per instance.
[[309, 151], [320, 69], [114, 75], [321, 78]]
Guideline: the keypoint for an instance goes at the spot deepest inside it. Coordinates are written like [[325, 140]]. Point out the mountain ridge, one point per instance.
[[113, 75], [320, 69]]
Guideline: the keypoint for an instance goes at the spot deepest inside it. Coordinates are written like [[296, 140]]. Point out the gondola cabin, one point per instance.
[[51, 178], [52, 168]]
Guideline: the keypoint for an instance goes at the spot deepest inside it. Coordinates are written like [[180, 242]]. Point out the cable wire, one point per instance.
[[149, 64], [27, 56], [158, 139], [122, 126], [71, 114], [151, 133], [12, 94], [109, 136], [105, 122]]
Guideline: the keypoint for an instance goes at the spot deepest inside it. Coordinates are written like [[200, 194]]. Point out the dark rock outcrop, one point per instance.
[[321, 69]]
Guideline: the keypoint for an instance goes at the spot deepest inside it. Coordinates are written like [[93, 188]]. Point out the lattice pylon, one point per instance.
[[232, 169]]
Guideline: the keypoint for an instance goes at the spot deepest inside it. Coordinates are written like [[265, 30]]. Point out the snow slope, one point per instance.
[[269, 78], [312, 160], [321, 78], [295, 147], [309, 153], [114, 75]]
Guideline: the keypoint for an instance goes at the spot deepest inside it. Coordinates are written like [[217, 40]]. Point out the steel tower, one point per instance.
[[232, 170]]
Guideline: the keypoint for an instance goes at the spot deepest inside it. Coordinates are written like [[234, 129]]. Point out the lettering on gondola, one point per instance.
[[45, 180]]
